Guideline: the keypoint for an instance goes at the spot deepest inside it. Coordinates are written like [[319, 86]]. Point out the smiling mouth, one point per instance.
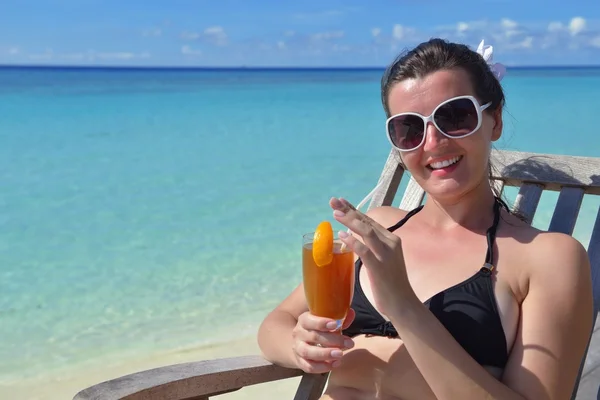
[[444, 164]]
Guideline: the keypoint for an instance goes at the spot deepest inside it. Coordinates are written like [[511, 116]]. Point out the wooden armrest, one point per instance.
[[195, 380]]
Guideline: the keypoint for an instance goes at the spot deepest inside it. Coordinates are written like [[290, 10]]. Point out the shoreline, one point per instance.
[[65, 384]]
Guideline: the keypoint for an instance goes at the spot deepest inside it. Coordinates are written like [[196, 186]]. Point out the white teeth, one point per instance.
[[444, 164]]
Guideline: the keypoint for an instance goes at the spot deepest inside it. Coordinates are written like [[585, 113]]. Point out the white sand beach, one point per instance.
[[66, 385]]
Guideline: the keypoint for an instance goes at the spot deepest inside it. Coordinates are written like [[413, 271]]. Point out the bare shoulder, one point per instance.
[[556, 312], [554, 256], [546, 251], [386, 215]]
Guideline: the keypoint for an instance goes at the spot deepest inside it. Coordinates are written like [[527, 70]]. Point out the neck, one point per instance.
[[472, 210]]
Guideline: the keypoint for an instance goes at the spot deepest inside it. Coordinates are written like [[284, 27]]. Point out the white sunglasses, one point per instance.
[[455, 118]]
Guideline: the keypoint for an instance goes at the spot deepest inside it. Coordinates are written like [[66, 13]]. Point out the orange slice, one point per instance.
[[323, 244]]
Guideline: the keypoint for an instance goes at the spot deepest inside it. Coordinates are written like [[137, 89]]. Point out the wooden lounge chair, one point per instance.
[[531, 173]]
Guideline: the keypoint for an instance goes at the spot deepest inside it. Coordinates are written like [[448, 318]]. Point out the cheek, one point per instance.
[[410, 159], [487, 129]]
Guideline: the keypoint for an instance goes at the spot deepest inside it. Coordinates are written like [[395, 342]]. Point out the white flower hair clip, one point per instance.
[[487, 52]]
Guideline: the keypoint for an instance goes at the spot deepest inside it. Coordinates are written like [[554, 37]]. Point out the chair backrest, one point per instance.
[[571, 176]]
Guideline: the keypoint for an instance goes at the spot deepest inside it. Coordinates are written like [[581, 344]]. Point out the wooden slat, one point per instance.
[[594, 254], [566, 210], [189, 380], [587, 384], [591, 366], [555, 171], [390, 177], [527, 200], [311, 387], [413, 196]]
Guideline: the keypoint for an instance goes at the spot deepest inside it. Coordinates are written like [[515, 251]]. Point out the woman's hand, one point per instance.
[[317, 348], [381, 254]]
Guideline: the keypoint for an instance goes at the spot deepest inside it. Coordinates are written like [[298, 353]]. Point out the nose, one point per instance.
[[433, 137]]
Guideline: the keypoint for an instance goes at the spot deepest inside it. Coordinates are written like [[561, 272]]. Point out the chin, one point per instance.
[[452, 181], [446, 192]]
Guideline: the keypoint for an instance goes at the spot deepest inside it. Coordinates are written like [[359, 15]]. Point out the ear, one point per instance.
[[498, 125]]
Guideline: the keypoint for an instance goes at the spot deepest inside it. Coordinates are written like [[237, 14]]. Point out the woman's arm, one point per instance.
[[292, 337], [555, 319], [275, 332], [554, 328]]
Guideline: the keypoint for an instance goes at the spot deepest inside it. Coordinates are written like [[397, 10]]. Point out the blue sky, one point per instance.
[[286, 33]]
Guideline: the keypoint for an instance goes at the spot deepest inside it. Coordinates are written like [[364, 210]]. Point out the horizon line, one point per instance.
[[255, 67]]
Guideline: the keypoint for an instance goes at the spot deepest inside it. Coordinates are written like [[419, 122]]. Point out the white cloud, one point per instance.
[[512, 35], [319, 14], [577, 25], [213, 34], [401, 32], [190, 35], [13, 51], [217, 35], [375, 32], [511, 28], [281, 45], [341, 48], [187, 50], [327, 35], [90, 55], [48, 54], [398, 32], [462, 27], [122, 55], [556, 27], [595, 41], [508, 23], [525, 43], [153, 32]]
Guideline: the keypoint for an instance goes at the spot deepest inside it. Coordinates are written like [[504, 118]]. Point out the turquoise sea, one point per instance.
[[143, 211]]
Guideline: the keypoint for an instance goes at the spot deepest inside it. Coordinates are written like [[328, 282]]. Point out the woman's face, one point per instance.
[[440, 181]]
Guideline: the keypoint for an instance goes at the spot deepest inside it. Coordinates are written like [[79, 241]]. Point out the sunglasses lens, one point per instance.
[[406, 131], [457, 117]]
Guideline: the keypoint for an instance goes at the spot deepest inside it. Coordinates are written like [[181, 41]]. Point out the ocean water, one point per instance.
[[143, 211]]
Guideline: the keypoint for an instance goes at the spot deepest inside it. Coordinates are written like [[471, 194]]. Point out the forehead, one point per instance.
[[422, 95]]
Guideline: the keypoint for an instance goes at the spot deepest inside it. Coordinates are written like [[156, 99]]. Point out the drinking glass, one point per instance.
[[329, 288]]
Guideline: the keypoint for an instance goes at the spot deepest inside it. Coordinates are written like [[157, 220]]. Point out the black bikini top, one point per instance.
[[468, 310]]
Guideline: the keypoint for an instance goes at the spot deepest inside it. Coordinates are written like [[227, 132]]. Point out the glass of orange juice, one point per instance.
[[328, 287]]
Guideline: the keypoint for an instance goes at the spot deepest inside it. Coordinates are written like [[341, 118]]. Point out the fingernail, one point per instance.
[[343, 234], [348, 344], [336, 353], [336, 363], [331, 325], [339, 214]]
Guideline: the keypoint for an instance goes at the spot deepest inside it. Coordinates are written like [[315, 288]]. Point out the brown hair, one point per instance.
[[438, 54]]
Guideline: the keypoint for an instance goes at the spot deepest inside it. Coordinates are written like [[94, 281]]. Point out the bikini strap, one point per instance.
[[491, 237], [358, 262], [490, 234], [403, 220]]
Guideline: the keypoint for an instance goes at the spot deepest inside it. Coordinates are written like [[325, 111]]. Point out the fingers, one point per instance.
[[375, 236], [345, 207], [311, 322], [310, 330], [314, 367], [360, 249], [316, 348], [316, 353]]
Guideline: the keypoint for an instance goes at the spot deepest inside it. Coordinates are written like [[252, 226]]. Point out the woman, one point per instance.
[[428, 321]]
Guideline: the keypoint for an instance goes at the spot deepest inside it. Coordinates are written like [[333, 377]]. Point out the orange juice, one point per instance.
[[328, 288]]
